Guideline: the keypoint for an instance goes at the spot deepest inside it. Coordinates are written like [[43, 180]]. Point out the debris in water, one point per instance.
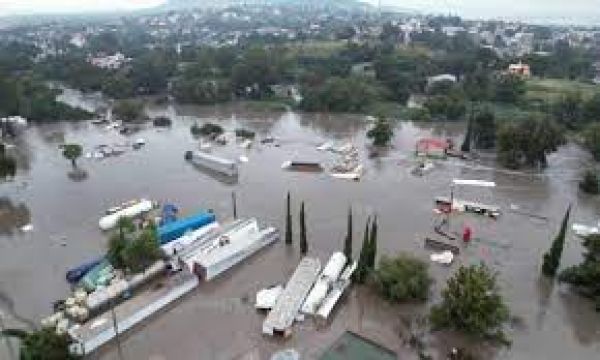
[[444, 258], [266, 298]]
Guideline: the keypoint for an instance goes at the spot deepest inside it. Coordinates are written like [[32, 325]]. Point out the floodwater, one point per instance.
[[218, 321]]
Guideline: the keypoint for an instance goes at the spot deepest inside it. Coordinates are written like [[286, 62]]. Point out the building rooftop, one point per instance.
[[351, 346]]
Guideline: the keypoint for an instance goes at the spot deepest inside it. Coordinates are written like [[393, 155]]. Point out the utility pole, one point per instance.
[[116, 328], [234, 203]]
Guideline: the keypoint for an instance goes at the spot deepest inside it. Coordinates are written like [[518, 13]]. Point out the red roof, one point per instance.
[[432, 143]]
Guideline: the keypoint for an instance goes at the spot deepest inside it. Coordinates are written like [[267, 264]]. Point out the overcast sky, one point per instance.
[[10, 7], [567, 11]]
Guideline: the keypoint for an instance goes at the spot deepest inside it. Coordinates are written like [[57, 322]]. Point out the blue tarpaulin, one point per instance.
[[176, 229]]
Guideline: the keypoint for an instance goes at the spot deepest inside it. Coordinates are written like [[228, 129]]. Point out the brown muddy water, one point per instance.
[[218, 321]]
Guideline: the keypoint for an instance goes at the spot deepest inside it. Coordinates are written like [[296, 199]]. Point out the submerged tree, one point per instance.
[[471, 303], [589, 184], [528, 142], [130, 251], [348, 240], [72, 152], [552, 257], [402, 278], [44, 344], [585, 277], [288, 221], [483, 125], [303, 242], [381, 133]]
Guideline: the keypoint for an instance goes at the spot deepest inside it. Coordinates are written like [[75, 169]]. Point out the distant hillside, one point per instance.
[[181, 4]]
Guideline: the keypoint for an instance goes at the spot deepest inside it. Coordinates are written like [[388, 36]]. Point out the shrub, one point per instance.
[[208, 129]]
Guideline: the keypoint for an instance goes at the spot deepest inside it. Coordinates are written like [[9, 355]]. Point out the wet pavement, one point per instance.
[[218, 321]]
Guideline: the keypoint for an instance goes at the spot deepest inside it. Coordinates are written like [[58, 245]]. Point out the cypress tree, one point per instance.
[[552, 257], [303, 243], [362, 266], [288, 222], [348, 242], [466, 145], [373, 245]]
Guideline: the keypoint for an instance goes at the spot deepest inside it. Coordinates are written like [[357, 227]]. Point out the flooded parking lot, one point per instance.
[[218, 320]]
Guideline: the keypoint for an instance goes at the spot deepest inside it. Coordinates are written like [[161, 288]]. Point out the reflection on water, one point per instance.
[[578, 313], [78, 175], [218, 176], [12, 216]]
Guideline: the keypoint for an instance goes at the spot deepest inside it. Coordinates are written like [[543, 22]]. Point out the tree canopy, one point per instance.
[[472, 303], [381, 133], [402, 278], [72, 152], [585, 277], [129, 110], [527, 142]]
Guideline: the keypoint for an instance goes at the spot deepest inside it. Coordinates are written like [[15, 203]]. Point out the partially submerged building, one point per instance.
[[221, 250], [281, 318]]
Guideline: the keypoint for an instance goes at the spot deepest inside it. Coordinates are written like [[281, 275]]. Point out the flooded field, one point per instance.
[[218, 321]]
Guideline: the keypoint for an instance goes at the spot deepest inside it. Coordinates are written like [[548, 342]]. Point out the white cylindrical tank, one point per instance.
[[334, 266], [315, 297], [110, 221]]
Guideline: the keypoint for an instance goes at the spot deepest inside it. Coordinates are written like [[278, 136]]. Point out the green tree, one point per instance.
[[372, 245], [208, 129], [348, 240], [466, 145], [552, 257], [362, 268], [288, 221], [527, 142], [303, 241], [133, 251], [471, 303], [568, 110], [484, 129], [381, 133], [72, 152], [119, 241], [402, 278], [585, 277], [589, 183], [129, 110], [142, 251], [44, 344], [591, 108], [450, 107], [591, 139], [8, 165], [509, 88], [352, 94], [118, 86]]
